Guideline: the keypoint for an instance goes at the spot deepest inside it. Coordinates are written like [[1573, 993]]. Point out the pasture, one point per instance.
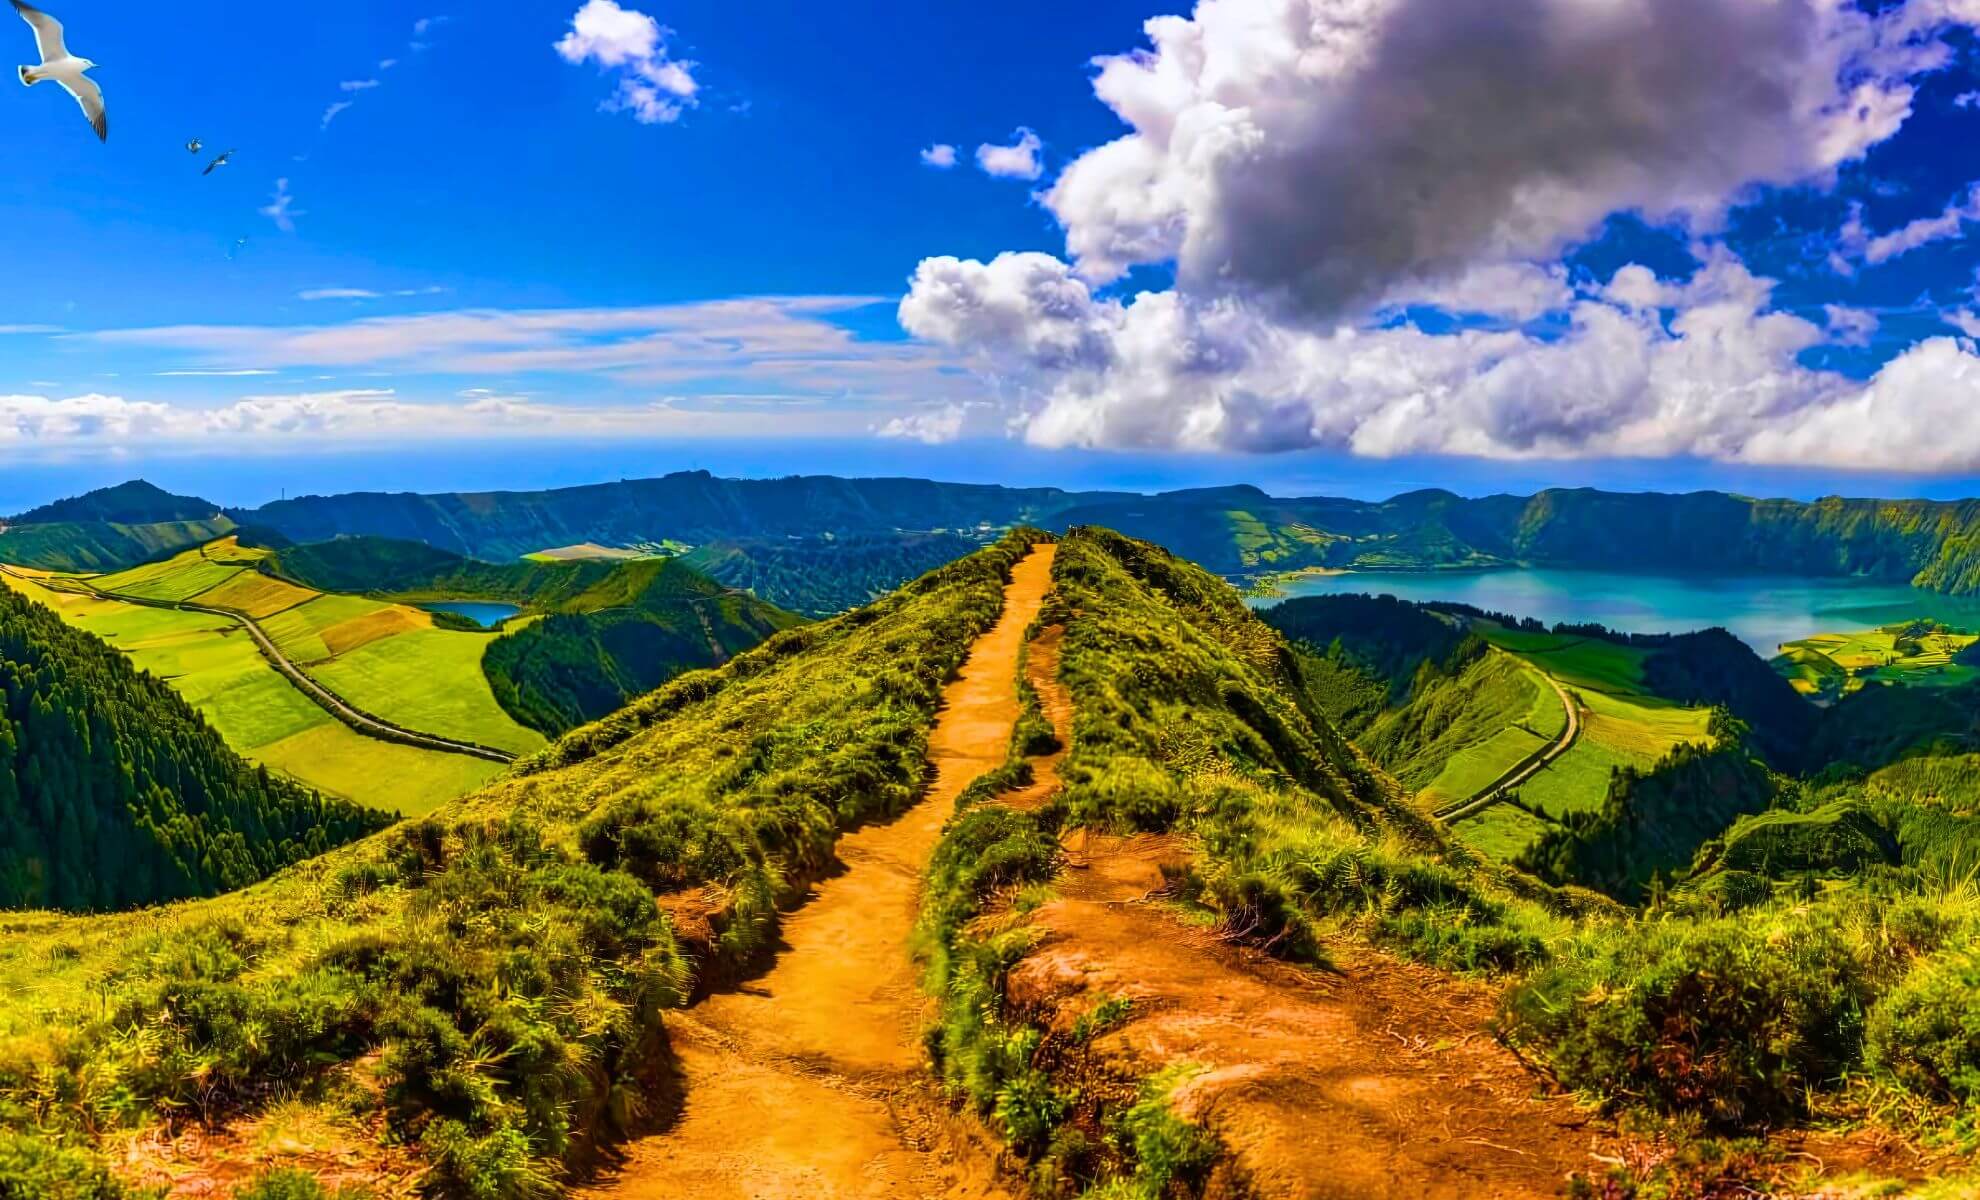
[[1914, 654]]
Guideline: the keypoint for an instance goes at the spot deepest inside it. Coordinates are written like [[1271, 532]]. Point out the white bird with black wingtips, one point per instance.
[[62, 67]]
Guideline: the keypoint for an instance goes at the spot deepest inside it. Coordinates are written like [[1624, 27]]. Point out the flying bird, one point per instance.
[[62, 67], [217, 163], [195, 146]]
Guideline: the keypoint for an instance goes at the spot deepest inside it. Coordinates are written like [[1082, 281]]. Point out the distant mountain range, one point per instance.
[[1235, 531]]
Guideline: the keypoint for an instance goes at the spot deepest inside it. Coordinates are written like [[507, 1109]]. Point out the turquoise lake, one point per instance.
[[1762, 610], [484, 614]]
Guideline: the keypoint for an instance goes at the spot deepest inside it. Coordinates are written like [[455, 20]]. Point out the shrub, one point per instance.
[[1925, 1035], [1733, 1020], [33, 1168]]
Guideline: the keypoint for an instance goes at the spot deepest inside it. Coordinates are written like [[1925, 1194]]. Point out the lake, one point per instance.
[[1762, 610], [482, 613]]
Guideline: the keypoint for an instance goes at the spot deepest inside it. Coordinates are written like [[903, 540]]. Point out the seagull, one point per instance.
[[64, 68], [217, 163], [194, 146]]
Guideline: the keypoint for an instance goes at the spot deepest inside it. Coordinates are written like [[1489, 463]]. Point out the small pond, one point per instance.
[[484, 613]]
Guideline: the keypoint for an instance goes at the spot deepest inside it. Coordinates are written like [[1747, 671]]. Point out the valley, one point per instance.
[[1063, 870]]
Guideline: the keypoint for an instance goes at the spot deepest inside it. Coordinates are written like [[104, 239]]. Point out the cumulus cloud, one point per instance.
[[1324, 157], [1311, 173], [1019, 160], [652, 85], [1649, 369], [941, 156], [1850, 326]]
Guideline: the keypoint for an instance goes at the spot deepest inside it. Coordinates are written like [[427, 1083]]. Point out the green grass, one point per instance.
[[384, 659], [403, 779], [421, 680], [1589, 664], [1500, 832]]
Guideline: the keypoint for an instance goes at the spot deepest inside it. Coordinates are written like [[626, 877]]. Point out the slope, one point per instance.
[[485, 990], [641, 624], [806, 1082], [113, 790]]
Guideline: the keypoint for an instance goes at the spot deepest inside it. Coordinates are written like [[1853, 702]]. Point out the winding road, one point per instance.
[[1526, 768]]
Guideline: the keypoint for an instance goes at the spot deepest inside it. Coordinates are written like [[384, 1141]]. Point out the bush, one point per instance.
[[1925, 1035], [32, 1168], [1733, 1020]]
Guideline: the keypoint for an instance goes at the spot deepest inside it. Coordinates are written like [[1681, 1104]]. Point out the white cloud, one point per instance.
[[386, 64], [1923, 232], [281, 208], [786, 350], [337, 293], [1016, 161], [941, 156], [1717, 376], [1963, 319], [655, 87], [357, 85], [929, 428], [1309, 171], [1325, 158], [1850, 326], [331, 113], [115, 424]]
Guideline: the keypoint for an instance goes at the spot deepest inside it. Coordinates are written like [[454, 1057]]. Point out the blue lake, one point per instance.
[[484, 614], [1762, 610]]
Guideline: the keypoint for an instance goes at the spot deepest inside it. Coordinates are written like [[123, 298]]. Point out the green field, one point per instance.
[[1622, 726], [212, 663], [417, 679], [1475, 730], [385, 659], [1915, 654]]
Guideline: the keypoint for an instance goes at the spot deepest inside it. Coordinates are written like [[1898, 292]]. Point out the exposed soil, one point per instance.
[[1376, 1080], [810, 1080]]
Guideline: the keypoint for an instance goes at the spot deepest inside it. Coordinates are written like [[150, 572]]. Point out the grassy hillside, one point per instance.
[[133, 503], [103, 547], [642, 624], [487, 989], [822, 576], [413, 571], [114, 792], [1915, 653]]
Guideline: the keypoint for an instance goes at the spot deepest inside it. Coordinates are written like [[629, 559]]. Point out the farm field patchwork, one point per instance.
[[1914, 653], [213, 663], [388, 660]]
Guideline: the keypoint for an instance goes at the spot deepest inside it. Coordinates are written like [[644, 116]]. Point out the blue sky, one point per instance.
[[488, 268]]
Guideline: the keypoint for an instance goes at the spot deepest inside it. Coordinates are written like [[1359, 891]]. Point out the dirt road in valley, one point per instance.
[[809, 1081]]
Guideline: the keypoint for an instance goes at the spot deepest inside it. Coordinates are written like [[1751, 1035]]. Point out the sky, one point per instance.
[[1348, 246]]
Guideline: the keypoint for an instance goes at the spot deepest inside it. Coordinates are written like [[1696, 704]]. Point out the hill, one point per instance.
[[110, 529], [690, 507], [821, 576], [133, 503], [640, 625], [114, 792], [488, 990]]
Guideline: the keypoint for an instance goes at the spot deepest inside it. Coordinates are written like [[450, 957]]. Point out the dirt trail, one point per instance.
[[809, 1081], [1376, 1081]]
